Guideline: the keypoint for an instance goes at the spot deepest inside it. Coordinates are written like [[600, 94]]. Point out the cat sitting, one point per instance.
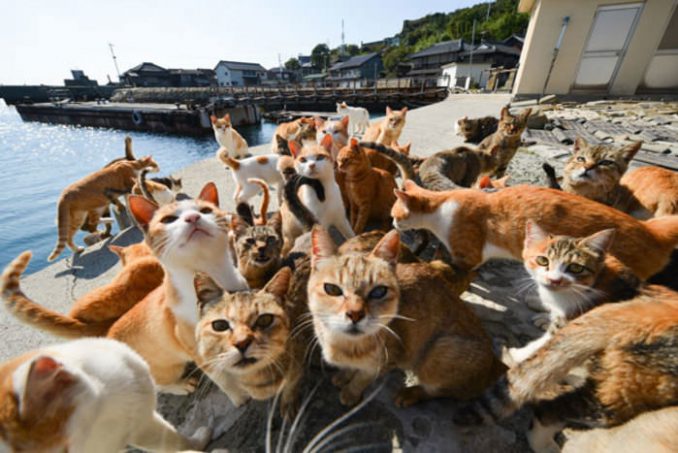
[[85, 395], [507, 137], [359, 117], [386, 132], [230, 141]]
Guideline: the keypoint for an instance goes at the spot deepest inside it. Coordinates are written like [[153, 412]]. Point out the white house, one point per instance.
[[455, 74], [237, 73]]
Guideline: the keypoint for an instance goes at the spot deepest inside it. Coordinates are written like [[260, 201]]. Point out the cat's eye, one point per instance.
[[206, 210], [168, 219], [302, 160], [271, 240], [332, 290], [606, 162], [264, 321], [220, 325], [378, 292], [251, 241], [575, 268], [542, 261], [581, 159], [320, 157]]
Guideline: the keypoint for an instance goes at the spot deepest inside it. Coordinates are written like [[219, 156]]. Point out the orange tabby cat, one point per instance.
[[301, 129], [386, 132], [93, 194], [654, 190], [369, 190], [475, 225]]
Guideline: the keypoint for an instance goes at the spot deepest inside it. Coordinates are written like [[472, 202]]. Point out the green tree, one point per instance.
[[292, 64], [352, 49], [320, 56]]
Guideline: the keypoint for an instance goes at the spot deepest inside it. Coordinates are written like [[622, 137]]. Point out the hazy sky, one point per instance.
[[40, 41]]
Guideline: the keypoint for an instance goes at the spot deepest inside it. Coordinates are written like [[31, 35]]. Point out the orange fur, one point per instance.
[[654, 189], [386, 132]]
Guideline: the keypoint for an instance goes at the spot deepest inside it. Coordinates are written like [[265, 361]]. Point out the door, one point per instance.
[[610, 34]]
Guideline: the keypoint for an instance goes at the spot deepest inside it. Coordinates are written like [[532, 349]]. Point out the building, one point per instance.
[[456, 74], [492, 54], [147, 75], [280, 76], [193, 77], [355, 70], [238, 73], [427, 63], [618, 47], [375, 46]]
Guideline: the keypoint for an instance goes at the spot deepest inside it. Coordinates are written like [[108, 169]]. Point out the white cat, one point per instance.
[[228, 138], [359, 117], [260, 167], [85, 395]]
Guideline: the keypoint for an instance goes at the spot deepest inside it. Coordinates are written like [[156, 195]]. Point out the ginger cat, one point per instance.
[[264, 167], [509, 131], [81, 396], [230, 141], [371, 315], [92, 195], [654, 191], [386, 132], [369, 190], [476, 226], [337, 129], [629, 352], [299, 130]]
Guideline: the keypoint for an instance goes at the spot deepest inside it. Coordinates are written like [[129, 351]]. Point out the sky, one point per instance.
[[41, 41]]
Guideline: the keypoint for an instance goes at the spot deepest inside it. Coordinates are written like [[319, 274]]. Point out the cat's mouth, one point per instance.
[[353, 330], [261, 260], [197, 232], [245, 362]]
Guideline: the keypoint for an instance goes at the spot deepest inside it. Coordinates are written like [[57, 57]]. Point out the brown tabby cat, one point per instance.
[[386, 132], [629, 350], [476, 226], [93, 194], [369, 190], [508, 134], [254, 337], [474, 130], [371, 315], [458, 167], [654, 191]]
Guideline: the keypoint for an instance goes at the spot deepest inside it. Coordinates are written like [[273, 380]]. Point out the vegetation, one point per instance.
[[320, 56], [292, 64]]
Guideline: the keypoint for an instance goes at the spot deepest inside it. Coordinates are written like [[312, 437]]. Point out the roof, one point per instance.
[[433, 71], [455, 45], [240, 66], [354, 62], [464, 63], [146, 66], [485, 49], [198, 71], [279, 69], [518, 38], [320, 76]]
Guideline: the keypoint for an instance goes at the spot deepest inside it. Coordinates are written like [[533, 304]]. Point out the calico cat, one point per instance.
[[476, 226], [458, 167], [85, 395], [91, 196], [161, 191], [230, 141], [475, 130], [509, 131], [299, 130], [337, 129], [263, 167], [654, 192], [372, 315], [255, 336], [386, 132], [369, 190], [629, 352], [359, 117], [315, 162]]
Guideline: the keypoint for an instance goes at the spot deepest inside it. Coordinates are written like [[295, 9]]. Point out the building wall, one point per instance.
[[544, 28], [453, 74]]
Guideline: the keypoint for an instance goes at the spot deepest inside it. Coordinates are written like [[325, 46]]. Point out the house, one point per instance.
[[192, 77], [514, 41], [428, 62], [238, 73], [280, 75], [353, 71], [618, 47], [147, 75], [307, 67], [493, 54], [456, 74], [375, 46]]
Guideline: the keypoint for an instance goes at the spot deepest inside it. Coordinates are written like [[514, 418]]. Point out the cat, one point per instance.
[[162, 191], [628, 350], [359, 117], [369, 190], [458, 167], [314, 161], [85, 395], [654, 192], [263, 167], [255, 336], [337, 129], [386, 132], [91, 195], [129, 154], [476, 226], [507, 136], [299, 130], [372, 315], [475, 130], [407, 165], [230, 141], [485, 182]]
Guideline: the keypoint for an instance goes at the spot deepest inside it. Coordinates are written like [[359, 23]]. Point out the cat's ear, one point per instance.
[[504, 112], [485, 183], [405, 149], [526, 114], [323, 245], [388, 248], [318, 122], [327, 143], [279, 283], [213, 118], [227, 117], [117, 250], [354, 143], [294, 147], [534, 234], [402, 196], [629, 151], [142, 210], [48, 388], [275, 222], [410, 185], [501, 183], [206, 289], [600, 241], [388, 110], [344, 121], [579, 144], [210, 194], [404, 111]]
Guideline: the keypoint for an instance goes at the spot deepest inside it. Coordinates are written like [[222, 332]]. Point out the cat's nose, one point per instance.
[[355, 315], [242, 345], [192, 217], [311, 166], [554, 281]]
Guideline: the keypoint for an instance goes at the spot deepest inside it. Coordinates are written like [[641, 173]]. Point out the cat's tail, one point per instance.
[[36, 315], [63, 220], [403, 161], [665, 229], [129, 155], [228, 160], [570, 347], [265, 197], [143, 187], [551, 177], [295, 205]]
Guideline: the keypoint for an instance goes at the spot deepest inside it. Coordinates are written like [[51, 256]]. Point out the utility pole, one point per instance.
[[115, 60], [489, 7], [343, 42]]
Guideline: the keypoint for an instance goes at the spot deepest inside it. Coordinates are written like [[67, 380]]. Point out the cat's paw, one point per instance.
[[408, 396], [348, 397], [184, 387], [542, 321], [518, 355], [201, 438]]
